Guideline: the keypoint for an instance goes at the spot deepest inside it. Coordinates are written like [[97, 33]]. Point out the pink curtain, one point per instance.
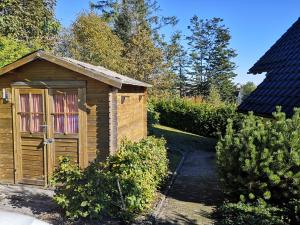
[[24, 112], [66, 105], [72, 113], [37, 113], [59, 110]]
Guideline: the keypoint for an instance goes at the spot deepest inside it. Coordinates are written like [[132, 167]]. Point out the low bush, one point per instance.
[[121, 187], [203, 119], [250, 214], [261, 161]]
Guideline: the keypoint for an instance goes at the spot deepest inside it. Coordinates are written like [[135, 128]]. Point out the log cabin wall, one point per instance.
[[131, 113], [97, 103]]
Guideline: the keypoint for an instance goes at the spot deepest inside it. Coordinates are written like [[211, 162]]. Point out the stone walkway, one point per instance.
[[195, 193]]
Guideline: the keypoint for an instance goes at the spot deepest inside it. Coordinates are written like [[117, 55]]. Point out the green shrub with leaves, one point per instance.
[[203, 119], [251, 214], [121, 187], [261, 161], [152, 115]]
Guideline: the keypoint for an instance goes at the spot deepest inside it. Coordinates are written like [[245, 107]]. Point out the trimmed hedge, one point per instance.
[[122, 187], [203, 119], [260, 161]]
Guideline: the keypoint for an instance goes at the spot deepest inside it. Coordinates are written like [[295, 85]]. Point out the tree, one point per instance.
[[128, 17], [135, 22], [246, 89], [144, 57], [211, 57], [32, 21], [176, 57], [91, 40], [11, 50], [214, 96]]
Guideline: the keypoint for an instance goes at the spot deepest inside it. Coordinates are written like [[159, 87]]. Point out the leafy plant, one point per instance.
[[261, 160], [121, 187]]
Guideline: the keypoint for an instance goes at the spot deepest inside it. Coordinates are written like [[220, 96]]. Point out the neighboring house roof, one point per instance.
[[96, 72], [281, 87]]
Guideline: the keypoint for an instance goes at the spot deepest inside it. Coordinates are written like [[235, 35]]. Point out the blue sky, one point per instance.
[[254, 24]]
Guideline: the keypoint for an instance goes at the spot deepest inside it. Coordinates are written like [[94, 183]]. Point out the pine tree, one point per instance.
[[177, 60], [211, 57]]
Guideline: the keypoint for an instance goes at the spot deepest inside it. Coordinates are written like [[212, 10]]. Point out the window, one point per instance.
[[31, 112], [65, 112]]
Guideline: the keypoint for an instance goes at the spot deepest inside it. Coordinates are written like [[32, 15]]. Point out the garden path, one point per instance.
[[195, 192]]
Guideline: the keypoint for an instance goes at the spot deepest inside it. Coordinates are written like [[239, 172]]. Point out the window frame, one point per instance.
[[30, 92], [64, 113]]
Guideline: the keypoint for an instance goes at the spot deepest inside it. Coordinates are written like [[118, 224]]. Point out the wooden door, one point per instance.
[[31, 135], [65, 125], [48, 123]]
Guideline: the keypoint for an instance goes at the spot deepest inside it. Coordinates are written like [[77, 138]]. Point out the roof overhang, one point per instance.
[[64, 63]]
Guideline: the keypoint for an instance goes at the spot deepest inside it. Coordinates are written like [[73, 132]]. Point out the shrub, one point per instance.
[[121, 187], [250, 214], [152, 115], [203, 119], [261, 160]]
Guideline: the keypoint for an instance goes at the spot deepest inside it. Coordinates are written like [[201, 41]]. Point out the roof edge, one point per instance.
[[61, 62]]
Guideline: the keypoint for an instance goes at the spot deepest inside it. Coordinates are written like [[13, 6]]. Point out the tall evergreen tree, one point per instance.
[[211, 57], [178, 62], [32, 21]]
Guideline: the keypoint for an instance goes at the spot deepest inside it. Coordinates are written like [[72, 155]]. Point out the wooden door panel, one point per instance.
[[33, 169], [66, 147]]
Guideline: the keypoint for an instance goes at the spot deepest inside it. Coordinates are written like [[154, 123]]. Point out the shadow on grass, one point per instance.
[[183, 141]]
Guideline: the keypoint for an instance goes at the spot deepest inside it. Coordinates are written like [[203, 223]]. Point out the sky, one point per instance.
[[255, 25]]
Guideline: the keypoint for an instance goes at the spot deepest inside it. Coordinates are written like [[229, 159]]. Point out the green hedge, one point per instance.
[[203, 119], [261, 161], [122, 187]]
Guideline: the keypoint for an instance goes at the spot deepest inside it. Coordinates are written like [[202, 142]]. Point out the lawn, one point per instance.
[[180, 141]]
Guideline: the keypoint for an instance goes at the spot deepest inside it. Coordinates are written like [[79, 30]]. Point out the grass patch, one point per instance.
[[183, 141]]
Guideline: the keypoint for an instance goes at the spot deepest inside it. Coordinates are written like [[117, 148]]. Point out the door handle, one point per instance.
[[48, 141]]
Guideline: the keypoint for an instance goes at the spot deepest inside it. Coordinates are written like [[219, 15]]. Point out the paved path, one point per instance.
[[195, 192]]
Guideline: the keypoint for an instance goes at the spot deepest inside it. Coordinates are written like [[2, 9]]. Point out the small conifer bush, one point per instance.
[[260, 161]]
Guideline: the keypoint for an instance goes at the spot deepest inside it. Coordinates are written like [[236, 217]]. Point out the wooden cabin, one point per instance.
[[54, 106]]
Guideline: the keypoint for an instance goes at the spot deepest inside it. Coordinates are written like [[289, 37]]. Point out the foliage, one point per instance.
[[123, 186], [203, 119], [129, 16], [214, 97], [11, 50], [92, 41], [261, 160], [211, 57], [29, 21], [152, 115], [246, 89], [137, 24], [177, 58], [250, 214]]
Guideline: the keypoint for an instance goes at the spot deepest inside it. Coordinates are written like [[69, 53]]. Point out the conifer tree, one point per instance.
[[178, 62], [211, 57]]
